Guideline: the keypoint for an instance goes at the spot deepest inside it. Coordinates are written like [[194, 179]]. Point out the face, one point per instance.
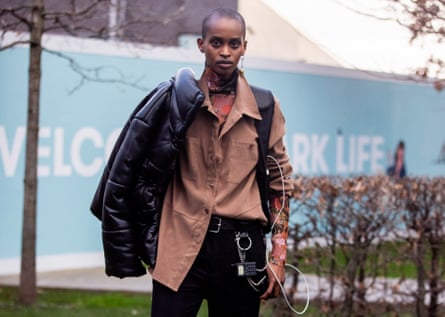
[[223, 45]]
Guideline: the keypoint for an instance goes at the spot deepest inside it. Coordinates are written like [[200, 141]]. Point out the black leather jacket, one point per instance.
[[128, 199]]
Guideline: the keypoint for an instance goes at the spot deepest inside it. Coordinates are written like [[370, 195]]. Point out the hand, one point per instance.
[[274, 289]]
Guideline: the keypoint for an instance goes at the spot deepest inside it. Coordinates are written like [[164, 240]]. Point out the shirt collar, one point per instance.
[[245, 102]]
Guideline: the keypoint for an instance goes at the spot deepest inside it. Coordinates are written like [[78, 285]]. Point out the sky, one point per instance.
[[355, 40]]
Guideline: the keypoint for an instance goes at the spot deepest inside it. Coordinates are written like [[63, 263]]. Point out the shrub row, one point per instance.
[[369, 240]]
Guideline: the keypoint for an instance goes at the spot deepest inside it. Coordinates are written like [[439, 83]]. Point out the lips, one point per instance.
[[224, 63]]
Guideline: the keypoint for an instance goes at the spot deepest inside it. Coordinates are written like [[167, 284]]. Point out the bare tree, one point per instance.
[[424, 218], [29, 20], [361, 236], [425, 19]]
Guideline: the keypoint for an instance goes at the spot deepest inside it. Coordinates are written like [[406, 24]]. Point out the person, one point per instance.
[[398, 170], [197, 182]]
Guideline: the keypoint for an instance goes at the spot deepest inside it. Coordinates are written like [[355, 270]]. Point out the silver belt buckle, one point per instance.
[[218, 225]]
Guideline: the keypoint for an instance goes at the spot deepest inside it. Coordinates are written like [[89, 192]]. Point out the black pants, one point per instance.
[[214, 277]]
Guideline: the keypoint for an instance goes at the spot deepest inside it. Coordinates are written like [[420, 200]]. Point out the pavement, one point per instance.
[[82, 279]]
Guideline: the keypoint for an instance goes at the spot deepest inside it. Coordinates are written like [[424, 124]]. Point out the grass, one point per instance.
[[397, 265], [82, 303], [74, 303]]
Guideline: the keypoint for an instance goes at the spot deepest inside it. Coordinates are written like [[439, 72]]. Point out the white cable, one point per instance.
[[283, 191], [283, 291]]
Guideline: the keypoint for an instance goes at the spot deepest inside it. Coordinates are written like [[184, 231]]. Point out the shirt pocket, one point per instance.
[[243, 159]]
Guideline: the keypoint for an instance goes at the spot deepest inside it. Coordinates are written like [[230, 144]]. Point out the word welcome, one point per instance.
[[56, 155]]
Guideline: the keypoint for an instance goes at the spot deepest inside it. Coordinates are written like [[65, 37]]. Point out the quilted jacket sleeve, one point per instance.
[[138, 169], [97, 201], [118, 232]]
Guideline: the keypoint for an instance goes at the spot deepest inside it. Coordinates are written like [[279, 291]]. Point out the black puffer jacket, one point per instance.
[[129, 196]]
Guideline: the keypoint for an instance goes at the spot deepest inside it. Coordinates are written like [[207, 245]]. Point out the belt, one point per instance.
[[218, 224]]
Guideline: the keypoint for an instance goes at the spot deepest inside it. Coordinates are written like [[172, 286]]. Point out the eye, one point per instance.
[[235, 44], [215, 42]]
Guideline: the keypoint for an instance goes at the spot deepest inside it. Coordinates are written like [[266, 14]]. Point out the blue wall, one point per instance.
[[335, 125]]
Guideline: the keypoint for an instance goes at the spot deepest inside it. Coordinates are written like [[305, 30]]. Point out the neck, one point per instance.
[[217, 84]]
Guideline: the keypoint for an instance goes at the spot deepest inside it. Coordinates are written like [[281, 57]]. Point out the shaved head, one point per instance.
[[222, 13]]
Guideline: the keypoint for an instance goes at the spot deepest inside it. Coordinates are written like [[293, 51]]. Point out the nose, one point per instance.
[[225, 51]]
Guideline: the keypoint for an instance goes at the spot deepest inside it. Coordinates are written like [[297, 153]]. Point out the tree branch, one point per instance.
[[10, 39], [14, 44], [103, 74], [15, 13], [88, 10]]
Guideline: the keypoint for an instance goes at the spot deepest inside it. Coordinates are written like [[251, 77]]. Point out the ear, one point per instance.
[[200, 43], [244, 47]]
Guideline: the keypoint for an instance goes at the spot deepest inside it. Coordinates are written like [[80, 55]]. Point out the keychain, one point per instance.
[[244, 243]]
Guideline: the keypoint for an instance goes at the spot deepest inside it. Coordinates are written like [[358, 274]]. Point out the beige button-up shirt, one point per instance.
[[216, 175]]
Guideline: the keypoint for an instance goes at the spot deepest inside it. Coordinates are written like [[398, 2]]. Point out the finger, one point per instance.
[[270, 290], [277, 290], [266, 295]]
